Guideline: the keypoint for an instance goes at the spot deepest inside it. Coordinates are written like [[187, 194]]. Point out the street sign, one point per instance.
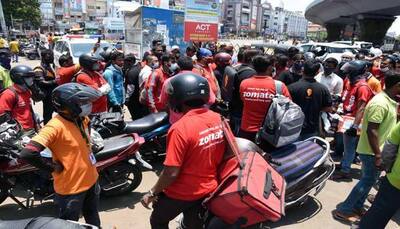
[[201, 20], [199, 31]]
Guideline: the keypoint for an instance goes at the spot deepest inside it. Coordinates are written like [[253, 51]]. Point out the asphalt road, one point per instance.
[[127, 212]]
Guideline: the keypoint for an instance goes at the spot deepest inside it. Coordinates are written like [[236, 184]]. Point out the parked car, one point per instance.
[[357, 44], [323, 51], [76, 45]]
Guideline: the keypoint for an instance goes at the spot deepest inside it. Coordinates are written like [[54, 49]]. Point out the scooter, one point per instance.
[[118, 164], [44, 222], [153, 128], [298, 190]]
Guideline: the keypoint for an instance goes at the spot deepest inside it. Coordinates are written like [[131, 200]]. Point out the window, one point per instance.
[[98, 7], [59, 17]]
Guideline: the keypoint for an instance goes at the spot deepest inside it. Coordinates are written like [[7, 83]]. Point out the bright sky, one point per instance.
[[301, 5]]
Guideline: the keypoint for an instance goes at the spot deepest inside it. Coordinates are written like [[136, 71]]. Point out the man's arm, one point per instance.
[[373, 137], [360, 112], [31, 154], [167, 177], [108, 76]]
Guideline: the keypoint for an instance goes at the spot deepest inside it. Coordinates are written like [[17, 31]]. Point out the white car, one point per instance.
[[326, 50], [356, 44], [76, 46]]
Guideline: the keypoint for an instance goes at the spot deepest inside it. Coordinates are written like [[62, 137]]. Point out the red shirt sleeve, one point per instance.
[[363, 94], [176, 148], [85, 79], [7, 101]]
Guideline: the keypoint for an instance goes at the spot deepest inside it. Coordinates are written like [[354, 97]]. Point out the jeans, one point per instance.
[[166, 209], [70, 206], [14, 57], [385, 205], [359, 193], [339, 148], [350, 145]]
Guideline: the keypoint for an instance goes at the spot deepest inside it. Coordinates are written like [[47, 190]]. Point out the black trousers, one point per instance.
[[70, 206], [166, 209], [47, 109], [136, 109]]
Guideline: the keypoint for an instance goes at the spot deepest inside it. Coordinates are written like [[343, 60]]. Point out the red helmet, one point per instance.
[[223, 58]]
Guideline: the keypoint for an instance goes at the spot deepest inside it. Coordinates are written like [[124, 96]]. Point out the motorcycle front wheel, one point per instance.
[[120, 179]]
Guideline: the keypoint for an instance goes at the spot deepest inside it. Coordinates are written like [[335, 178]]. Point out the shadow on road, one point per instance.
[[12, 211], [293, 215]]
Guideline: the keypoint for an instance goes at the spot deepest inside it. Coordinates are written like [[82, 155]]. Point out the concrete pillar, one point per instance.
[[334, 31], [374, 29]]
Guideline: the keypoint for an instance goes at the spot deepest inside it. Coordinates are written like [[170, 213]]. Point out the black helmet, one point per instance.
[[189, 89], [88, 62], [68, 98], [106, 54], [19, 72], [355, 68]]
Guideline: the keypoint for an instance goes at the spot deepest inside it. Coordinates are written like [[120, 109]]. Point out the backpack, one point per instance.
[[283, 122], [231, 75]]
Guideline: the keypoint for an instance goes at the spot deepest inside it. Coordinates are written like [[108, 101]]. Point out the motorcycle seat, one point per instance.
[[147, 123], [114, 146]]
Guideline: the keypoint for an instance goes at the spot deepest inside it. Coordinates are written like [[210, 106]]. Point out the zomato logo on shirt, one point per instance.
[[211, 136], [257, 94]]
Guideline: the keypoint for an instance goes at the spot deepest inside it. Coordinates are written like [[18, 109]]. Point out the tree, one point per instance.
[[26, 10]]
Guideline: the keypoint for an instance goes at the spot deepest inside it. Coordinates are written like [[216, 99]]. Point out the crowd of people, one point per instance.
[[364, 89]]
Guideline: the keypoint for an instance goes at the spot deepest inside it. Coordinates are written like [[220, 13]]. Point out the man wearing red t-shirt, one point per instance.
[[356, 95], [257, 93], [155, 83], [204, 61], [89, 76], [195, 148], [16, 100], [67, 70]]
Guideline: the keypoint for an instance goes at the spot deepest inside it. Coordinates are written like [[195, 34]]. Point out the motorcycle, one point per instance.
[[298, 190], [117, 163], [44, 222], [153, 128]]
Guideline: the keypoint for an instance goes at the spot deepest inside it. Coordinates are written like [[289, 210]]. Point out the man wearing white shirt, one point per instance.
[[328, 78], [151, 62]]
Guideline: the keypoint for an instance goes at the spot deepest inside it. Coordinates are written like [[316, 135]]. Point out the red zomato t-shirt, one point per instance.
[[20, 111], [95, 81], [257, 93], [196, 144], [352, 94]]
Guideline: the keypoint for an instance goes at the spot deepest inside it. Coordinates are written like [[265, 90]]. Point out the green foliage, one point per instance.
[[28, 11]]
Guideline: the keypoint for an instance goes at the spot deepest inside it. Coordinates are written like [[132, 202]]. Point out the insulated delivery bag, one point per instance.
[[251, 190]]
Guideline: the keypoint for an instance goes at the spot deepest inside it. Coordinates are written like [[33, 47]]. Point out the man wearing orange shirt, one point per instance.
[[257, 93], [67, 136], [195, 148]]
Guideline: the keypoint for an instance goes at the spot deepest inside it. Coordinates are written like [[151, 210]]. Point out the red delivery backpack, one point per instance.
[[251, 190]]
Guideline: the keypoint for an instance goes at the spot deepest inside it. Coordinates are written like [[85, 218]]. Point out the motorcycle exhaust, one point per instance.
[[140, 159]]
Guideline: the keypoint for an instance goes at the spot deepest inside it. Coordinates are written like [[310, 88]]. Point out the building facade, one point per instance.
[[242, 16]]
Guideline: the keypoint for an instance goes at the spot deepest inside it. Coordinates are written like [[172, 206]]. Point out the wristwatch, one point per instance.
[[151, 193]]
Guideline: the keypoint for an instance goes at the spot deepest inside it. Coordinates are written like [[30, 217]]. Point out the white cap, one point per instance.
[[348, 54], [174, 47]]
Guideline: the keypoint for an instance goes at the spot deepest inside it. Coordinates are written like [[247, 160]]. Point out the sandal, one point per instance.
[[360, 212], [347, 218]]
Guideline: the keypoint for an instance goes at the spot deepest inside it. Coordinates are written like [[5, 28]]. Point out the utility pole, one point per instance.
[[3, 21]]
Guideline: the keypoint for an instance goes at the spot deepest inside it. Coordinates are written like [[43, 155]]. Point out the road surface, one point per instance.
[[127, 212]]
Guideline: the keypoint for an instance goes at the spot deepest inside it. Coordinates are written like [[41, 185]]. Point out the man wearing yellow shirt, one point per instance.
[[73, 168], [14, 48], [380, 116]]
